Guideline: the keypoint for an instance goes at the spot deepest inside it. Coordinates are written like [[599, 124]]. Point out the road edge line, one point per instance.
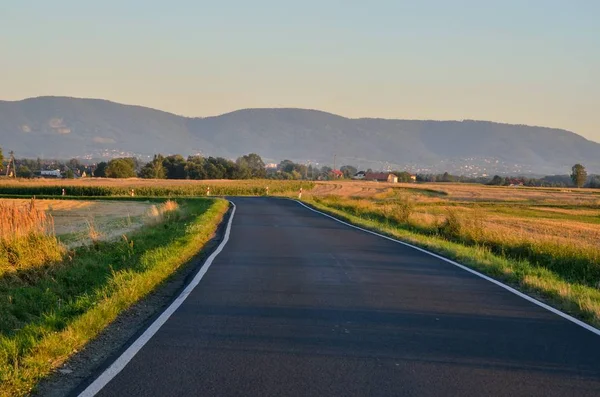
[[117, 366], [468, 269]]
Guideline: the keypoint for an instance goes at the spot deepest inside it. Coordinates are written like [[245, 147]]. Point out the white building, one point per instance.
[[50, 173]]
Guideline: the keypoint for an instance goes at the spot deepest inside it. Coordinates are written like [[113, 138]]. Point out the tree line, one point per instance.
[[252, 166], [578, 178], [177, 167]]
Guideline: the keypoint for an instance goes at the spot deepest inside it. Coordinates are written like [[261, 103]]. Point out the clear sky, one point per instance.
[[518, 61]]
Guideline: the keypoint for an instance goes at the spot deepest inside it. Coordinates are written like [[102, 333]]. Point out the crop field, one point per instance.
[[546, 240], [103, 187]]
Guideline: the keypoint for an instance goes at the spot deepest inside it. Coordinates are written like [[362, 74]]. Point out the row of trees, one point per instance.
[[578, 178], [250, 166], [178, 167]]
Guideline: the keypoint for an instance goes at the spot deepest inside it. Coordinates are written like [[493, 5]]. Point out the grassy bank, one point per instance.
[[103, 187], [565, 274], [50, 311]]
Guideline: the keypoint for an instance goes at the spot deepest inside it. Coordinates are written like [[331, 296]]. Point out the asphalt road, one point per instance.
[[299, 305]]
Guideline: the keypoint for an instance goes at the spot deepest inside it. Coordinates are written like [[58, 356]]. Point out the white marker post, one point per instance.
[[208, 191], [63, 192], [267, 190], [300, 194]]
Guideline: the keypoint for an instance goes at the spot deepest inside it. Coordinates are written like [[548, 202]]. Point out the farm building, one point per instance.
[[381, 177], [50, 174], [337, 174], [359, 175]]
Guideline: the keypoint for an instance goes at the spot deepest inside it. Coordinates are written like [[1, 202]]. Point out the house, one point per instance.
[[359, 175], [50, 174], [337, 174], [413, 178], [381, 177]]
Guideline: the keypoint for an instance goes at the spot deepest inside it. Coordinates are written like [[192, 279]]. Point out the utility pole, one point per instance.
[[11, 160]]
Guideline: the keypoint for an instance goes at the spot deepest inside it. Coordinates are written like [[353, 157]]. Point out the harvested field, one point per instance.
[[464, 192], [75, 220]]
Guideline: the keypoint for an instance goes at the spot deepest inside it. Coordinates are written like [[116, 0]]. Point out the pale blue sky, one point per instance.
[[533, 62]]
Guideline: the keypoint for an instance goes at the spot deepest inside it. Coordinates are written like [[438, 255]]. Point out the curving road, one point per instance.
[[298, 304]]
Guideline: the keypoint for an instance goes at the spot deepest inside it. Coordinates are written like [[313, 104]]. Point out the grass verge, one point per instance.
[[49, 312], [580, 300]]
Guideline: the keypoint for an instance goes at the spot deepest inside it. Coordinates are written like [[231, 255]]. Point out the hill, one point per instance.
[[69, 127]]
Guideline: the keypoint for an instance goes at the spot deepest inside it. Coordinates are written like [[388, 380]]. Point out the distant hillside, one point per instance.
[[68, 127]]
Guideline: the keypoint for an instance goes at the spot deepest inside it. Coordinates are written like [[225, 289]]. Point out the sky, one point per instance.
[[533, 62]]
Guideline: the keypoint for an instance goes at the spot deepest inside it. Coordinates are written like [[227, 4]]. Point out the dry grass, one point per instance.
[[464, 192], [18, 221], [26, 237], [159, 213]]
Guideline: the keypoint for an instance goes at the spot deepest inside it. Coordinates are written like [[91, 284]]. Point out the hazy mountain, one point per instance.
[[68, 127]]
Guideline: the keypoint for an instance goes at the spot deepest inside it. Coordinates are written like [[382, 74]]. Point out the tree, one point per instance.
[[24, 172], [254, 164], [286, 166], [175, 166], [74, 164], [497, 180], [578, 175], [70, 174], [403, 177], [154, 169], [194, 167], [1, 160], [100, 171], [121, 168], [447, 177], [594, 182], [348, 170]]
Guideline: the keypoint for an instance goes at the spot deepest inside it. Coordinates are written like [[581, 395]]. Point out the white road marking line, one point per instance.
[[136, 346], [498, 283]]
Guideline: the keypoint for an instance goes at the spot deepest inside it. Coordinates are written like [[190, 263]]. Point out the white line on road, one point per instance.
[[136, 346], [498, 283]]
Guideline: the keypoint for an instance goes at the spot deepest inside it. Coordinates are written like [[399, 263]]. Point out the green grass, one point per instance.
[[49, 312], [565, 279]]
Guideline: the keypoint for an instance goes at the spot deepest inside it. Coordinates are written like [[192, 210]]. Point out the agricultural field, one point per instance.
[[103, 187], [544, 241]]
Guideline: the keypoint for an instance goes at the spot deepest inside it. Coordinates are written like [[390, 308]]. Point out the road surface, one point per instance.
[[298, 304]]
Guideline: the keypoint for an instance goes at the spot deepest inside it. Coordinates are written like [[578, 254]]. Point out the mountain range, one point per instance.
[[61, 127]]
